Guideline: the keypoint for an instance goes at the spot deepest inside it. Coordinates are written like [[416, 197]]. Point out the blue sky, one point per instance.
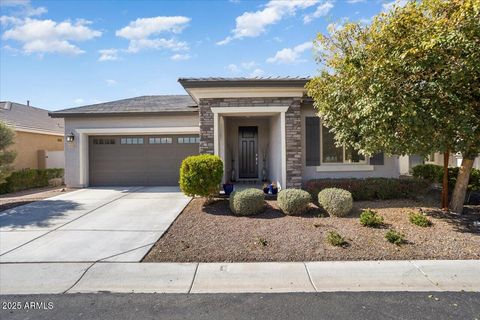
[[60, 54]]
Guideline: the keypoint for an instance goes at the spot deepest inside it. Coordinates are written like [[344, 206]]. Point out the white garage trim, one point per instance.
[[82, 135], [157, 130]]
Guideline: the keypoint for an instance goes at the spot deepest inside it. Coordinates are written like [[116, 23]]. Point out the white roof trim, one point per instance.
[[154, 130]]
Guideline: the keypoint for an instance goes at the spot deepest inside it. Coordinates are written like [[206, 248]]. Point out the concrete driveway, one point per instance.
[[94, 224]]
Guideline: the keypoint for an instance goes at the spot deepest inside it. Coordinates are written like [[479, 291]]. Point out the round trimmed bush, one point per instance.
[[201, 175], [293, 201], [337, 202], [247, 202]]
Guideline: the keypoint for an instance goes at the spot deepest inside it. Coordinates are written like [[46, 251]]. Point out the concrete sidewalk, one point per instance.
[[419, 275]]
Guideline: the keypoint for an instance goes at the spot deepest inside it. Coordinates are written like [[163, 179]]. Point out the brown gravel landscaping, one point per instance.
[[212, 234], [15, 199]]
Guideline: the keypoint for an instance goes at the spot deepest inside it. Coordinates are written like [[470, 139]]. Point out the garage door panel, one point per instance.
[[155, 162]]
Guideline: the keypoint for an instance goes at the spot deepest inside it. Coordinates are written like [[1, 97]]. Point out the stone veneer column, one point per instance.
[[292, 129], [206, 127], [293, 135]]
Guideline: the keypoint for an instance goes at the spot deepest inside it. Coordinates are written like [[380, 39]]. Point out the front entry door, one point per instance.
[[248, 152]]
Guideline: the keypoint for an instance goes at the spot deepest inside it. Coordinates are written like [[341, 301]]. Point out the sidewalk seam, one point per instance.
[[55, 229], [424, 274], [80, 278], [310, 277], [193, 279]]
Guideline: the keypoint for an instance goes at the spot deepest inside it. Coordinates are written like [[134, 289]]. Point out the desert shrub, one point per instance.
[[335, 239], [419, 219], [434, 173], [293, 201], [29, 178], [247, 202], [372, 188], [370, 218], [201, 175], [337, 202], [395, 237]]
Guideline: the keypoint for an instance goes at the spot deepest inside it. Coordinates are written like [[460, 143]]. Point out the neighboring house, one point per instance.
[[261, 128], [454, 160], [38, 138]]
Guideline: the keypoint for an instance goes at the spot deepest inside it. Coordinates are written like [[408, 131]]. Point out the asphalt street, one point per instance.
[[339, 305]]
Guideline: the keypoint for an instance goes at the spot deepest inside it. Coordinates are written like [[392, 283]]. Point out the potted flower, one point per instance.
[[266, 188], [272, 189], [228, 188]]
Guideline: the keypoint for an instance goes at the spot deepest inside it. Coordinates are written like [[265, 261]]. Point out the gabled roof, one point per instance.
[[27, 118], [137, 105], [243, 82]]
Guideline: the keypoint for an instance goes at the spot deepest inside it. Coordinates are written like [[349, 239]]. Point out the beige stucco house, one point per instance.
[[262, 128], [38, 138]]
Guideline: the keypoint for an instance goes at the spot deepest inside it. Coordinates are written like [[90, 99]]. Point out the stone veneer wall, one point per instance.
[[292, 129]]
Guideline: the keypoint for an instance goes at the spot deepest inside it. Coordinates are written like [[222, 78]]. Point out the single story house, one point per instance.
[[262, 128], [454, 160], [38, 137]]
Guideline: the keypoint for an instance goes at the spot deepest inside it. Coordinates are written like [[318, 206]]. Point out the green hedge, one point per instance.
[[372, 188], [434, 173], [29, 178]]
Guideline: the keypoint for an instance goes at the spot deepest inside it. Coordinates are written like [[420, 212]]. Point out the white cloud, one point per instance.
[[78, 101], [24, 7], [322, 11], [253, 24], [356, 1], [145, 27], [257, 73], [249, 65], [142, 33], [111, 82], [233, 68], [178, 57], [390, 5], [291, 55], [48, 36], [156, 44], [243, 67], [108, 55]]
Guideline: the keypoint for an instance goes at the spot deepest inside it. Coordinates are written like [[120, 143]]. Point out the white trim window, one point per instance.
[[160, 140], [191, 140], [331, 154], [131, 140]]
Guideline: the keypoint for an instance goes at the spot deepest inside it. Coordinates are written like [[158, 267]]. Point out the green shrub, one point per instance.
[[419, 219], [429, 172], [247, 202], [337, 202], [395, 237], [29, 178], [201, 175], [335, 239], [293, 201], [370, 218], [434, 173], [372, 188]]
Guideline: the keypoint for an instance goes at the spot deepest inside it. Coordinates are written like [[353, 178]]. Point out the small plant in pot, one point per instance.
[[228, 188], [272, 188]]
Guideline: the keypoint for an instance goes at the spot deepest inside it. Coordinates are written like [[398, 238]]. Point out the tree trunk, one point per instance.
[[460, 190], [446, 157]]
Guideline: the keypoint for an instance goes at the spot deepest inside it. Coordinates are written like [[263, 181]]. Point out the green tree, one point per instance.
[[6, 156], [408, 83]]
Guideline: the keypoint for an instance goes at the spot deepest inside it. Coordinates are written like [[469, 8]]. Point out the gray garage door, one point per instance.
[[138, 160]]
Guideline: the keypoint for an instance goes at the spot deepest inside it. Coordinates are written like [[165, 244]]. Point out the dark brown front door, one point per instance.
[[248, 153]]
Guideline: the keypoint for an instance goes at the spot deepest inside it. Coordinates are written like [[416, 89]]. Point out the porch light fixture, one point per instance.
[[70, 137]]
